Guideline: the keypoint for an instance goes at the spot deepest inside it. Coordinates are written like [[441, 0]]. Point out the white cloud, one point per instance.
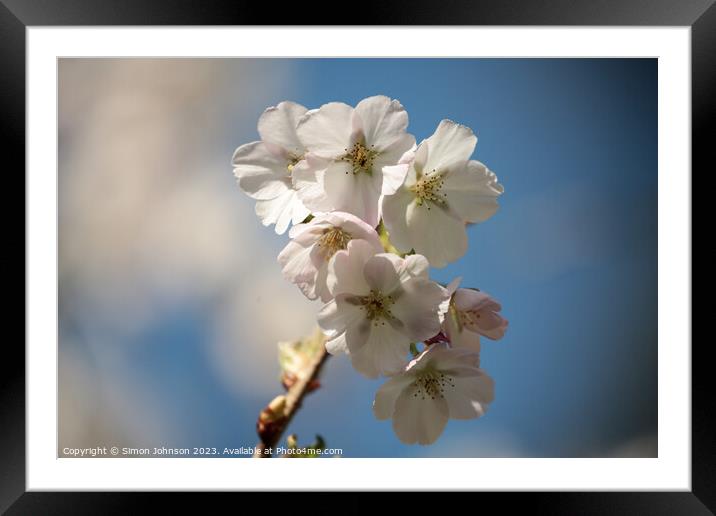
[[150, 217]]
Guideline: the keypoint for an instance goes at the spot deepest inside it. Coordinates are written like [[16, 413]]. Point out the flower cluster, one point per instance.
[[371, 212]]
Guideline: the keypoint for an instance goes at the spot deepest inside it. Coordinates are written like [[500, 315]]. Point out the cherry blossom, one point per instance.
[[305, 259], [348, 148], [371, 213], [468, 314], [442, 190], [441, 383], [381, 304], [479, 312], [263, 168]]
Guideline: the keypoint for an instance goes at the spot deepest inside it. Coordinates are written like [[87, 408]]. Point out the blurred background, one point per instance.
[[171, 301]]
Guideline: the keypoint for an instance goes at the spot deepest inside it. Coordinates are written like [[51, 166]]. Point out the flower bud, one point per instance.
[[297, 358], [274, 410], [271, 417]]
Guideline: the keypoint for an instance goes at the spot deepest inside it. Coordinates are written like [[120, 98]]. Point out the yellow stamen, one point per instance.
[[334, 239], [292, 162], [360, 157], [432, 384], [427, 190], [377, 307]]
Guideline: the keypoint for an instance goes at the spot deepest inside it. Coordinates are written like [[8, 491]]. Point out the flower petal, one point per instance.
[[451, 145], [420, 156], [488, 321], [345, 270], [393, 178], [393, 154], [416, 306], [326, 132], [337, 345], [381, 120], [469, 299], [471, 395], [278, 210], [385, 398], [484, 317], [358, 194], [418, 418], [277, 125], [467, 339], [496, 333], [337, 315], [307, 234], [321, 285], [454, 361], [377, 348], [460, 338], [472, 191], [299, 211], [379, 271], [298, 268], [286, 215], [307, 177], [452, 286], [449, 291], [416, 265], [435, 234], [261, 174], [394, 209]]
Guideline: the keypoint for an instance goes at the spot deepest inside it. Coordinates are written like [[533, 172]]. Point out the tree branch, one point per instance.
[[276, 417]]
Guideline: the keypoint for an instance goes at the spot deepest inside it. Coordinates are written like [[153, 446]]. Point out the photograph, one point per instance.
[[357, 257], [443, 248]]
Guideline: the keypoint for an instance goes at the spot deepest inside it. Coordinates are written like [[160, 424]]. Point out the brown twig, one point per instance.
[[271, 426]]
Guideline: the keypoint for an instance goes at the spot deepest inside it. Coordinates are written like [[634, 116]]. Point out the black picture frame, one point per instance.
[[16, 15]]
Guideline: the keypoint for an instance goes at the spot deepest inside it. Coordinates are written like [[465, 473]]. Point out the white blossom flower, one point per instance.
[[353, 167], [305, 259], [381, 304], [349, 148], [264, 167], [478, 312], [469, 313], [442, 190], [441, 383]]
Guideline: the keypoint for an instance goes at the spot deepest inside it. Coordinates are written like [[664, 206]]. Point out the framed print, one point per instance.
[[457, 242]]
